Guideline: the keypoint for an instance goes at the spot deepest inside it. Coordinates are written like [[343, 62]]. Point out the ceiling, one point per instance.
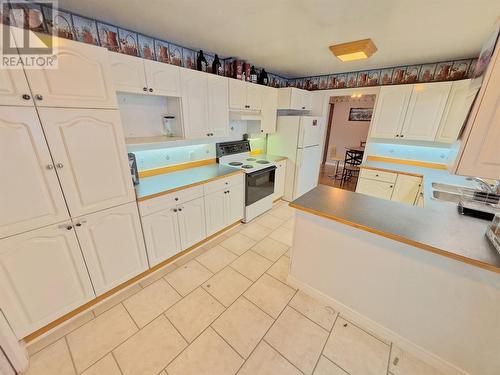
[[291, 37]]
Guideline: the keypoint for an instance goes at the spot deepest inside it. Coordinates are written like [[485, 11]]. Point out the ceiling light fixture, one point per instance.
[[357, 50]]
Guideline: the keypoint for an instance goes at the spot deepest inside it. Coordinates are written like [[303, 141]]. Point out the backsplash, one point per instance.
[[432, 154]]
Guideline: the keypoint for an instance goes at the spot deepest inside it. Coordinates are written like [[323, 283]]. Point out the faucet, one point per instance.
[[485, 186]]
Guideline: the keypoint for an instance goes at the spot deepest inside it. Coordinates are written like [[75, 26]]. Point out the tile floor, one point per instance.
[[225, 308]]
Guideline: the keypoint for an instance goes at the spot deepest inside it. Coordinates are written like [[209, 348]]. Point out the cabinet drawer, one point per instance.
[[375, 188], [150, 206], [223, 183], [378, 175]]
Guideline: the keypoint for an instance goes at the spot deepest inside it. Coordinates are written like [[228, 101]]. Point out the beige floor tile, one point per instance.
[[356, 351], [157, 275], [192, 254], [194, 313], [251, 265], [267, 361], [314, 310], [60, 331], [216, 258], [209, 354], [105, 366], [116, 299], [283, 235], [243, 325], [151, 349], [289, 224], [280, 269], [298, 339], [403, 363], [238, 243], [270, 221], [228, 233], [54, 359], [96, 338], [150, 302], [270, 295], [327, 367], [270, 249], [282, 212], [227, 285], [255, 231], [188, 277]]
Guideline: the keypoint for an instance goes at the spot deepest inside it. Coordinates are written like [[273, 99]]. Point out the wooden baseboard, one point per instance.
[[53, 325]]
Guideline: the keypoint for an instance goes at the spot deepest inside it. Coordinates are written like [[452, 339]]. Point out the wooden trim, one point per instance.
[[176, 167], [416, 163], [404, 240], [151, 196], [391, 171], [120, 287], [328, 131]]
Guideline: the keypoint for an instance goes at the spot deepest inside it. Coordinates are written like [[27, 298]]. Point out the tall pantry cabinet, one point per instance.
[[69, 225]]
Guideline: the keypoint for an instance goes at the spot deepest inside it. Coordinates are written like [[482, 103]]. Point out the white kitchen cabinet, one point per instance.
[[82, 78], [419, 201], [455, 112], [293, 98], [127, 73], [42, 277], [89, 156], [245, 95], [425, 110], [279, 180], [30, 195], [162, 79], [235, 203], [194, 103], [216, 211], [113, 246], [191, 217], [254, 96], [379, 189], [269, 109], [406, 189], [390, 109], [161, 232], [218, 113]]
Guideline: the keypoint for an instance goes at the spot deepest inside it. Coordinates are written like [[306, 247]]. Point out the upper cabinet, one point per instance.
[[14, 89], [293, 98], [218, 114], [269, 109], [141, 76], [245, 95]]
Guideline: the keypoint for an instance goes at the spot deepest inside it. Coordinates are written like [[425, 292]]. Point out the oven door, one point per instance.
[[260, 184]]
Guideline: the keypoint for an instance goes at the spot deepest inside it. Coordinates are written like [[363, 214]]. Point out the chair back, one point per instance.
[[353, 157]]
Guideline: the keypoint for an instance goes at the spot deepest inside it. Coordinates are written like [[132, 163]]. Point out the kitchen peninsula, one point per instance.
[[424, 277]]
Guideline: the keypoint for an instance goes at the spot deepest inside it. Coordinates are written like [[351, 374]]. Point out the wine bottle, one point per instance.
[[263, 78], [253, 75], [217, 66], [201, 62]]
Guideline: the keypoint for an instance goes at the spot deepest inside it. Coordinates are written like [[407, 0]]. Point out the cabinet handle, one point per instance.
[[38, 97], [50, 166], [66, 226], [180, 209], [150, 89], [26, 97], [175, 210], [397, 135], [376, 175], [144, 89], [391, 186], [176, 198], [80, 223], [208, 134], [227, 183], [402, 135], [59, 165], [303, 107]]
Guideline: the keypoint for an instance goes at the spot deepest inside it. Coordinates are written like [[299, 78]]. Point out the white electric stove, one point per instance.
[[260, 175]]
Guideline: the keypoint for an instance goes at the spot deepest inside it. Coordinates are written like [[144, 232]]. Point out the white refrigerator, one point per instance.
[[299, 138]]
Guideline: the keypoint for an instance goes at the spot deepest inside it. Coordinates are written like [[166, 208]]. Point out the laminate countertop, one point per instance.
[[437, 227], [150, 187]]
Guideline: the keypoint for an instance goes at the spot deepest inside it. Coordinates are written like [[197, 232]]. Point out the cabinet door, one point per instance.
[[161, 231], [425, 110], [306, 100], [455, 112], [406, 189], [235, 203], [112, 245], [42, 277], [269, 109], [30, 195], [218, 107], [375, 188], [191, 217], [82, 78], [162, 79], [194, 103], [90, 157], [254, 96], [279, 180], [216, 212], [127, 73], [389, 114], [237, 94]]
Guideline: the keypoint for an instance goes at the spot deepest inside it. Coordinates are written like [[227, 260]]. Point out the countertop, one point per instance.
[[150, 187], [437, 227]]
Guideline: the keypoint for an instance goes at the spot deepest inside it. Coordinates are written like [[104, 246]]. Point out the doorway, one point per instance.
[[347, 130]]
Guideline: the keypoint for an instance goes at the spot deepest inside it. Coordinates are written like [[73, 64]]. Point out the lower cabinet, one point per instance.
[[224, 207], [42, 277], [379, 189], [191, 216], [112, 245], [279, 180], [406, 189]]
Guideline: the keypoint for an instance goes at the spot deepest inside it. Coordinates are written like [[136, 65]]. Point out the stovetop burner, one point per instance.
[[262, 162], [251, 159], [247, 166], [235, 163]]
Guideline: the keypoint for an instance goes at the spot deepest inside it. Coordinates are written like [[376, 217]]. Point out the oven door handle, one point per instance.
[[262, 171]]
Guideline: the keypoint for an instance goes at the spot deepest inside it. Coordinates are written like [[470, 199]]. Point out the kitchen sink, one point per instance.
[[446, 196], [455, 189]]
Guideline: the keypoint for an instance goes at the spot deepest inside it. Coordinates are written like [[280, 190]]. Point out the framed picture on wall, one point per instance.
[[360, 114]]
